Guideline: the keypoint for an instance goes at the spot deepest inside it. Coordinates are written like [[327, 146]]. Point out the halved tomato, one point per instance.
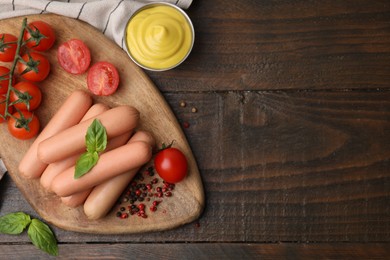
[[74, 56], [103, 79]]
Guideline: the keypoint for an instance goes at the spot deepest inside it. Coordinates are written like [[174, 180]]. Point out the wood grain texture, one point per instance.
[[308, 166], [136, 90], [276, 45], [291, 133], [205, 251]]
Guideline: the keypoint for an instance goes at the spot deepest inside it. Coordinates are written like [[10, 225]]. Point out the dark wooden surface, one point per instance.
[[292, 136]]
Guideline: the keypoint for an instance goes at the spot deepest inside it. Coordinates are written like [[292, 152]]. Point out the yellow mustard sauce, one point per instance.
[[159, 37]]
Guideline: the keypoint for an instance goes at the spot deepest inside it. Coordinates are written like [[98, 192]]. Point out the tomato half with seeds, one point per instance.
[[103, 79], [2, 108], [74, 56], [4, 78], [25, 127], [39, 36], [171, 165], [7, 47], [29, 93], [35, 68]]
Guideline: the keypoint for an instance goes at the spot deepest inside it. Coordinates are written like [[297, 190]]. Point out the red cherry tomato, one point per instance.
[[2, 108], [7, 51], [103, 79], [36, 62], [4, 81], [41, 36], [171, 165], [74, 56], [23, 129], [24, 88]]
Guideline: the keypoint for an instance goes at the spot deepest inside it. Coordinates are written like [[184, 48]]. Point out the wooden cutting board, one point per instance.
[[135, 89]]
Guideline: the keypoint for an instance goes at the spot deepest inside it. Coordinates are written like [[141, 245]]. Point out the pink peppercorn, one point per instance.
[[124, 215], [141, 206]]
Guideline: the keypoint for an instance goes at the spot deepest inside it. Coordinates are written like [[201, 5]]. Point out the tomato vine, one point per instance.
[[31, 66]]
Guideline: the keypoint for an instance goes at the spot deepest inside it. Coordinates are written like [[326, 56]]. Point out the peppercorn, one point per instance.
[[151, 171], [186, 124], [124, 215]]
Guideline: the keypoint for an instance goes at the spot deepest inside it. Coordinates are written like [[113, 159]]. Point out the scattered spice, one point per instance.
[[141, 195]]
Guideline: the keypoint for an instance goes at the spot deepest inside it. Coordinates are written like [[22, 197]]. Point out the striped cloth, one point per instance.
[[108, 16], [3, 169]]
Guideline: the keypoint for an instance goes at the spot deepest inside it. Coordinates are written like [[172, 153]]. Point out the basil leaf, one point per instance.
[[96, 142], [14, 223], [85, 163], [42, 237], [96, 137]]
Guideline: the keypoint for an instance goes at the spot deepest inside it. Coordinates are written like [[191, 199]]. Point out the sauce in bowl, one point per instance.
[[159, 36]]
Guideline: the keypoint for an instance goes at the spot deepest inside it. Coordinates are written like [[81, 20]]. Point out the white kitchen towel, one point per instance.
[[108, 16], [3, 169]]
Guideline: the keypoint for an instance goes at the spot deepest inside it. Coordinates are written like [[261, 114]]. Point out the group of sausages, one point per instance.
[[53, 154]]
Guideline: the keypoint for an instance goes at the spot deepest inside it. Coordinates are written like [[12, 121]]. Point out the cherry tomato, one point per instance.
[[171, 165], [24, 88], [36, 62], [103, 79], [2, 108], [39, 36], [25, 128], [74, 56], [4, 82], [7, 51]]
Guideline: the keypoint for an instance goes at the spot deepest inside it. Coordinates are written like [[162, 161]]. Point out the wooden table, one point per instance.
[[291, 136]]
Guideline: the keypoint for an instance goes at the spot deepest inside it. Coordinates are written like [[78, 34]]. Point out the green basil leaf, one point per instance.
[[14, 223], [42, 237], [85, 163], [96, 137]]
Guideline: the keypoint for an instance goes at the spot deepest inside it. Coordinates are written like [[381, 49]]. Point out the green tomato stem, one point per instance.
[[12, 71]]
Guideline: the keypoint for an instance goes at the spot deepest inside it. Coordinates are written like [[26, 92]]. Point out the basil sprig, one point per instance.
[[39, 233], [96, 142]]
